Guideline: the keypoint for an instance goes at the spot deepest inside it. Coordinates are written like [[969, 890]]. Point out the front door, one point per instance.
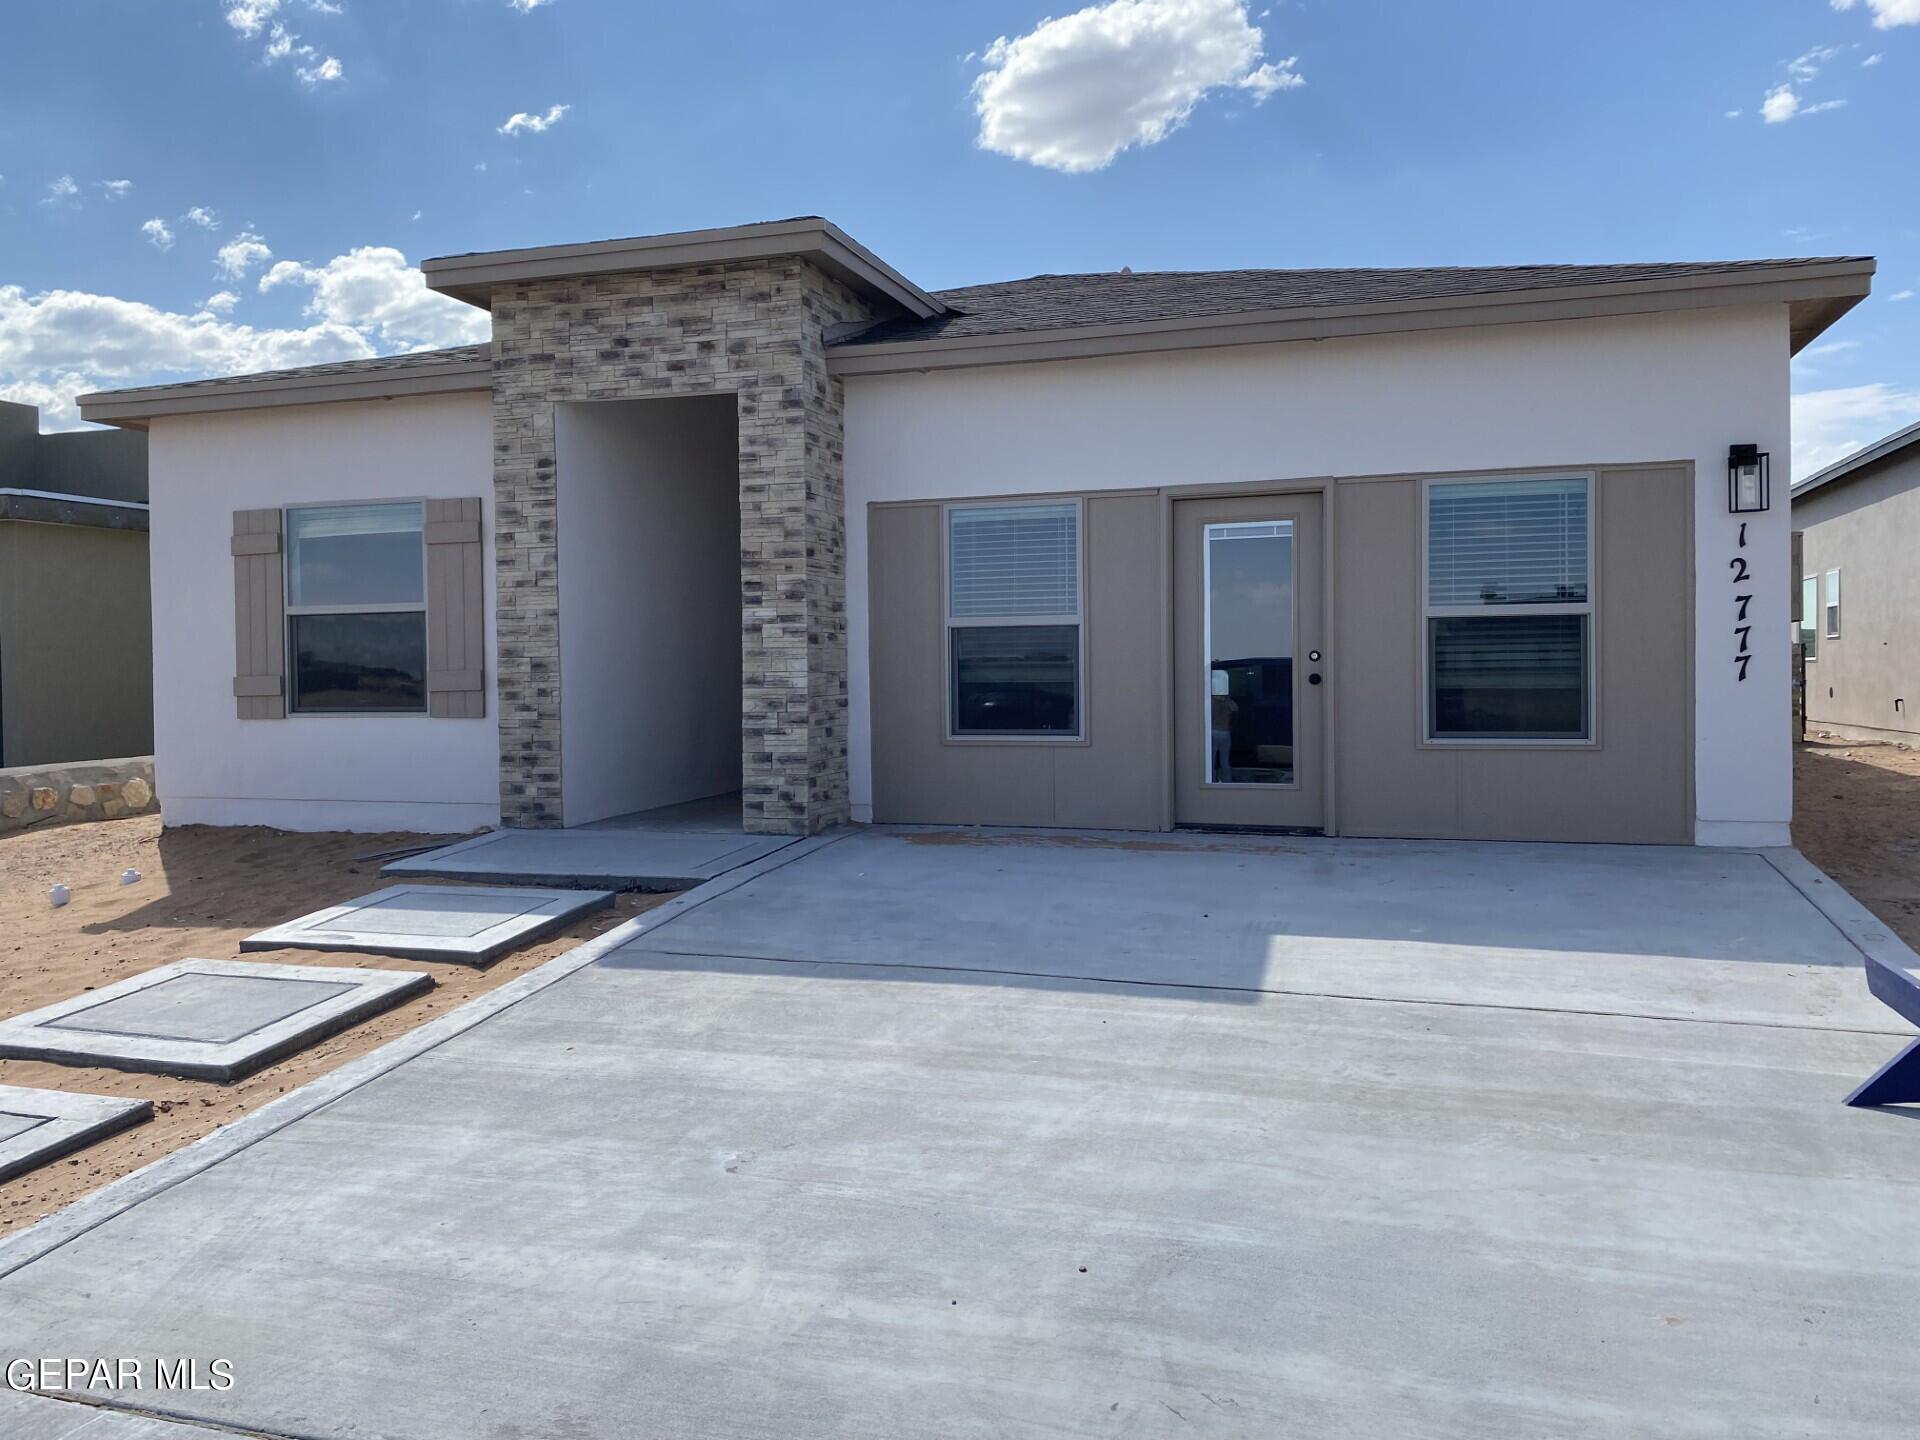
[[1247, 683]]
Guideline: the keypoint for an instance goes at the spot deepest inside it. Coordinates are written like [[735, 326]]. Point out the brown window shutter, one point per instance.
[[456, 608], [259, 616]]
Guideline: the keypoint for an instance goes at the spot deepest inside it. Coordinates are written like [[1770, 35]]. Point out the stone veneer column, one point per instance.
[[758, 329]]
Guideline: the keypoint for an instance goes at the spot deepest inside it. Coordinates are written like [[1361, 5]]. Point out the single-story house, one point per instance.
[[1432, 552], [76, 653], [1858, 521]]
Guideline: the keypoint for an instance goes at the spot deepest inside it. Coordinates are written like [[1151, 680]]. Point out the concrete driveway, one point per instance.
[[937, 1134]]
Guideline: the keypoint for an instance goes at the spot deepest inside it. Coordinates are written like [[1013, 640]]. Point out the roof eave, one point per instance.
[[472, 278], [132, 409], [1816, 295], [1885, 448]]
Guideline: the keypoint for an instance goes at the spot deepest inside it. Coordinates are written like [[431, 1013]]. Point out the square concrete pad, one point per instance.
[[37, 1126], [473, 925], [589, 859], [206, 1019]]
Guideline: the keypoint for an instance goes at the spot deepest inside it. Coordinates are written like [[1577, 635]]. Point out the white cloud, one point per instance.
[[1782, 105], [311, 75], [220, 302], [1805, 67], [1074, 92], [1900, 295], [62, 343], [1887, 13], [1735, 114], [203, 217], [249, 16], [374, 290], [522, 123], [61, 191], [524, 6], [1871, 61], [116, 189], [1829, 425], [159, 234], [240, 254]]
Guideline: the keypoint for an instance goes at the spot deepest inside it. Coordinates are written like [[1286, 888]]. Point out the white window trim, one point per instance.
[[1206, 658], [1590, 608], [949, 623], [1830, 618], [292, 610]]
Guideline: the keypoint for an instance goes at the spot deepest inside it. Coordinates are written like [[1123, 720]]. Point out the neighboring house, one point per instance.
[[76, 645], [1389, 552], [1858, 521]]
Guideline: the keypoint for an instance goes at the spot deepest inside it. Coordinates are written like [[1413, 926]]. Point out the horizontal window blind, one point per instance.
[[332, 521], [1007, 560], [1511, 651], [1507, 542]]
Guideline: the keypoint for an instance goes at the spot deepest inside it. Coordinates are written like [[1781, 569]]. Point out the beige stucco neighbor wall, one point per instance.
[[76, 643], [1865, 682], [757, 329]]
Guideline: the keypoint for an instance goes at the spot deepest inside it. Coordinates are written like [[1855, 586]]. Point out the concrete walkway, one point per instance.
[[953, 1135]]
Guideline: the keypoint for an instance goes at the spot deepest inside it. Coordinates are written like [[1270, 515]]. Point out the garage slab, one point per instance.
[[471, 925], [592, 859], [206, 1019], [37, 1126]]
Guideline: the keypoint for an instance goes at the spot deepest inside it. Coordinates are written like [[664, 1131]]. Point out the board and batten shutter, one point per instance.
[[259, 616], [456, 600]]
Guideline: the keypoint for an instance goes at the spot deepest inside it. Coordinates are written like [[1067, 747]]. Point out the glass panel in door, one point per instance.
[[1249, 640]]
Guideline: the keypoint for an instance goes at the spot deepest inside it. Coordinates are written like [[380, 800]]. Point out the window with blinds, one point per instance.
[[1509, 610], [356, 607], [1013, 620]]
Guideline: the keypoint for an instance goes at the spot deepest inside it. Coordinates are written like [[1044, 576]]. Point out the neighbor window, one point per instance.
[[1810, 617], [1833, 604], [356, 607], [1013, 620], [1509, 609]]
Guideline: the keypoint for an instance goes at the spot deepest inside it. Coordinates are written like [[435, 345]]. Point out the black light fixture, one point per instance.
[[1749, 479]]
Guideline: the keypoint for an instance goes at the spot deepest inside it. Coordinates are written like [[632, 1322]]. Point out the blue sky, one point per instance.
[[286, 162]]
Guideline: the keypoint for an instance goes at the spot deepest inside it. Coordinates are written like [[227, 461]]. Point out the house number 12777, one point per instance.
[[1742, 629]]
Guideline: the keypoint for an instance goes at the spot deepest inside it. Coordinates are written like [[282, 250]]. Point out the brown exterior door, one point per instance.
[[1248, 673]]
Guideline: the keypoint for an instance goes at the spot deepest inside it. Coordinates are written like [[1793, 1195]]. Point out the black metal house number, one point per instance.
[[1742, 629]]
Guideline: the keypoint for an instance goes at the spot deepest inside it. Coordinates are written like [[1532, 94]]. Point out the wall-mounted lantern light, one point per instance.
[[1749, 481]]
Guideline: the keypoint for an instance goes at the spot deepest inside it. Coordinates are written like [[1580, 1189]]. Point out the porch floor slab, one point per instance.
[[472, 925], [39, 1126], [609, 859], [206, 1019]]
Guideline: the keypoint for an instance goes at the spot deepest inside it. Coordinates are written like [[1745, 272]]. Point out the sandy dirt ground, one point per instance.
[[1856, 814], [201, 891]]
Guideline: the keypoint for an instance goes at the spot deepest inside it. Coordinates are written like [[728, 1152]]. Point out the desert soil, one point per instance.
[[201, 891], [1856, 814]]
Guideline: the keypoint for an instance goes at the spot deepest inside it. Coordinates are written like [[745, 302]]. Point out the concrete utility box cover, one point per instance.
[[474, 924], [41, 1125], [653, 860], [206, 1019]]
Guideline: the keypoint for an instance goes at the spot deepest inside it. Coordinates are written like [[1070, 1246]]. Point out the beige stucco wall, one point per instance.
[[1113, 777], [76, 638], [1865, 682], [1633, 784]]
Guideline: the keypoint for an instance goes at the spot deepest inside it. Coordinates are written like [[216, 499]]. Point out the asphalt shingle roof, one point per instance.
[[378, 365], [1061, 302]]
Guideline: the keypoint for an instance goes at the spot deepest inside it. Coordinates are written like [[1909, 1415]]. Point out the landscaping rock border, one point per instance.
[[33, 795]]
